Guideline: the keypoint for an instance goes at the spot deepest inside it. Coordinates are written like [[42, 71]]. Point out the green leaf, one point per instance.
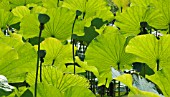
[[15, 3], [6, 18], [29, 26], [47, 90], [149, 50], [4, 4], [60, 24], [20, 11], [57, 54], [164, 21], [21, 59], [143, 3], [51, 3], [39, 9], [77, 91], [108, 50], [134, 92], [121, 4], [58, 79], [161, 79], [85, 6], [85, 66], [129, 21]]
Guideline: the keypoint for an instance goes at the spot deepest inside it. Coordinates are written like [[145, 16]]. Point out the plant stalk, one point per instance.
[[38, 55]]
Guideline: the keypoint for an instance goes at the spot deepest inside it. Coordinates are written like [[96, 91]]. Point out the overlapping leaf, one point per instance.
[[58, 79], [21, 11], [164, 21], [57, 53], [15, 3], [60, 24], [6, 18], [134, 92], [149, 50], [77, 92], [129, 21], [29, 26], [108, 50], [162, 78], [21, 59]]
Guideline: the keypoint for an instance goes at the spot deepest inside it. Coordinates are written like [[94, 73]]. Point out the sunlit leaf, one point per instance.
[[21, 59], [121, 4], [58, 79], [108, 50], [60, 24], [78, 92], [134, 92], [150, 50], [29, 26], [6, 18], [4, 4], [21, 11], [56, 53], [162, 78], [129, 21]]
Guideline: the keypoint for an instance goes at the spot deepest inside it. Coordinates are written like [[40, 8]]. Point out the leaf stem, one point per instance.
[[38, 55], [73, 42]]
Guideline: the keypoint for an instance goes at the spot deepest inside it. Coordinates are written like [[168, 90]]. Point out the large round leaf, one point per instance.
[[150, 50], [129, 21], [20, 11], [60, 24], [6, 18], [17, 62], [58, 79], [56, 53], [134, 92], [164, 21], [108, 50], [29, 26]]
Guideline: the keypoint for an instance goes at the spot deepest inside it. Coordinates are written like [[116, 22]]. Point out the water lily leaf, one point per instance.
[[21, 59], [85, 66], [85, 6], [150, 50], [20, 11], [129, 21], [4, 4], [60, 24], [39, 9], [134, 92], [56, 53], [51, 3], [162, 78], [29, 26], [142, 3], [58, 79], [47, 90], [15, 3], [108, 50], [6, 18], [121, 4], [78, 92], [164, 21]]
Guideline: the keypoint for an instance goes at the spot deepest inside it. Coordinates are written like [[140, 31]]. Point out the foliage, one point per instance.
[[105, 34]]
